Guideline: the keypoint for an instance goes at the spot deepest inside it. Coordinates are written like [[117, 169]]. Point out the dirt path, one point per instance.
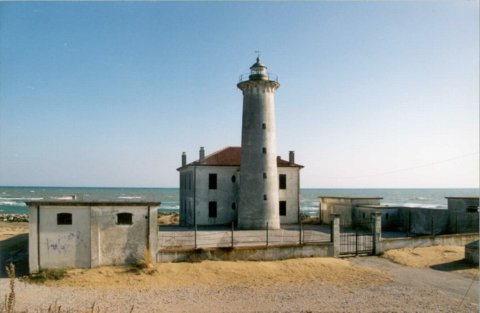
[[457, 284]]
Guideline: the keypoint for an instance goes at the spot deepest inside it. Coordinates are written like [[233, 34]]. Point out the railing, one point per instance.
[[193, 237], [270, 76]]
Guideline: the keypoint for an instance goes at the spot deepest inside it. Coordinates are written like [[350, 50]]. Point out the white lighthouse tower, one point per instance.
[[258, 192]]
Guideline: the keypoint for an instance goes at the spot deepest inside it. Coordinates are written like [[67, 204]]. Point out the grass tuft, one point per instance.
[[145, 264], [9, 304], [45, 275]]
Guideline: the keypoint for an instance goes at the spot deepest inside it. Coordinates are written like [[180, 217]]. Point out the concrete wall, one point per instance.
[[59, 246], [93, 239], [461, 204], [427, 241], [471, 252], [246, 253], [461, 222], [342, 206], [390, 216], [114, 244], [291, 194], [225, 195], [186, 196], [420, 221]]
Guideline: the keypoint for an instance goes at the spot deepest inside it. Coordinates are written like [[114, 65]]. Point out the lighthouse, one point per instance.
[[259, 181]]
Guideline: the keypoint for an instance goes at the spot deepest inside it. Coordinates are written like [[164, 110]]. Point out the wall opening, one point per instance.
[[283, 208], [212, 209], [212, 181], [64, 219], [282, 181], [124, 219]]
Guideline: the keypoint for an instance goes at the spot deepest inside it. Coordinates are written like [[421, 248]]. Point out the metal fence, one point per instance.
[[224, 237], [356, 239]]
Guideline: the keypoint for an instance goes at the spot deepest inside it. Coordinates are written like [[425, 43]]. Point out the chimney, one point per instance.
[[184, 159], [202, 154], [291, 158]]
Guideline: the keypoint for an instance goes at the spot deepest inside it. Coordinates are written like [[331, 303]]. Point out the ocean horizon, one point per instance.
[[13, 198]]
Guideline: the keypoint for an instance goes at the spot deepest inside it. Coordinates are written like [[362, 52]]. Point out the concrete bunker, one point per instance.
[[86, 234]]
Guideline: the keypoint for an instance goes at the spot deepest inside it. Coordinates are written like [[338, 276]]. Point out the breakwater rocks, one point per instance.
[[13, 218]]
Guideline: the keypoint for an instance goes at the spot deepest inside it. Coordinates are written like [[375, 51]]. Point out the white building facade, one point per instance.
[[209, 189], [85, 234]]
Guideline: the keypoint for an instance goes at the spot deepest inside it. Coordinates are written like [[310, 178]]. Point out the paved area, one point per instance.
[[222, 236]]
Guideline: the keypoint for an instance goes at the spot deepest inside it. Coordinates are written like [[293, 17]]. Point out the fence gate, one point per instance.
[[356, 239]]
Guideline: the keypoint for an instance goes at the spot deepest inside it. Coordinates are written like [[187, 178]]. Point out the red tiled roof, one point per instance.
[[230, 156], [226, 156]]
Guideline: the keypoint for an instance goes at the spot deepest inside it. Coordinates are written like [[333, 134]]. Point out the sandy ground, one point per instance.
[[362, 284], [168, 218], [227, 274], [8, 229], [447, 258], [433, 279]]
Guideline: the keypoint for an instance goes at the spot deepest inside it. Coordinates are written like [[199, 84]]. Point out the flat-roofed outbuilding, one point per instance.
[[343, 206], [84, 234]]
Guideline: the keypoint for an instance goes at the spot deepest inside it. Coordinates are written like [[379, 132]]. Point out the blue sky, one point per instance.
[[373, 94]]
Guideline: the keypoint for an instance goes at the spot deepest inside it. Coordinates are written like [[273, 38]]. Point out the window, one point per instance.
[[264, 197], [212, 209], [264, 150], [64, 219], [124, 219], [264, 175], [212, 181], [472, 208], [234, 179], [282, 181], [264, 126], [234, 206], [283, 208]]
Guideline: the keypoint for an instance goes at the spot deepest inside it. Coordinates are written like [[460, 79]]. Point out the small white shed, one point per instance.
[[84, 234]]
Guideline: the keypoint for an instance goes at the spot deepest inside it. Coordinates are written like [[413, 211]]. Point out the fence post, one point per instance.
[[267, 235], [195, 236], [335, 234], [408, 223], [232, 233], [377, 233], [456, 223], [433, 227], [300, 233]]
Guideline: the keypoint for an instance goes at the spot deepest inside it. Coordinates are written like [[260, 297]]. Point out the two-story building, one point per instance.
[[209, 188]]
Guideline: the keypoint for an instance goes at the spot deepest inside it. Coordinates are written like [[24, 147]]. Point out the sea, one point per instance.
[[12, 199]]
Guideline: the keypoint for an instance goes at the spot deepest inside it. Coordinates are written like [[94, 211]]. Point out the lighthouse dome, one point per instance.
[[258, 71]]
